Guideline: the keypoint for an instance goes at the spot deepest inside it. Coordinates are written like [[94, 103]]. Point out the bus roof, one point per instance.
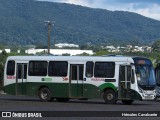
[[72, 58]]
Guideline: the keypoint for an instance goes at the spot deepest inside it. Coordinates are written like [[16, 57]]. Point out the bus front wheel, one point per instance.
[[45, 94], [109, 97]]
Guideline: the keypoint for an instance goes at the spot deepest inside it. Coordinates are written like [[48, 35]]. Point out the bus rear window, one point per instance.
[[11, 67]]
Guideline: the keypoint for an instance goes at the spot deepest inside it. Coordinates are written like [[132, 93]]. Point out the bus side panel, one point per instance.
[[62, 89], [135, 95], [56, 89], [91, 91], [10, 89], [107, 86]]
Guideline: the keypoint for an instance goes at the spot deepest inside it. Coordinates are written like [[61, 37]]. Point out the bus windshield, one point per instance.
[[145, 75]]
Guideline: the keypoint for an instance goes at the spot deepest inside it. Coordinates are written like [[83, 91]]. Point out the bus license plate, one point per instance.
[[148, 97]]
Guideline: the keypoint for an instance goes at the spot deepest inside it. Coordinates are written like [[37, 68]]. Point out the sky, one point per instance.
[[148, 8]]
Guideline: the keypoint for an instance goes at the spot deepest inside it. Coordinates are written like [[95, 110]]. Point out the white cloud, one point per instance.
[[151, 11], [148, 8]]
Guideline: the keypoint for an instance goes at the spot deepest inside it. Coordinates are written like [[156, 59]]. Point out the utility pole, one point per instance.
[[49, 26]]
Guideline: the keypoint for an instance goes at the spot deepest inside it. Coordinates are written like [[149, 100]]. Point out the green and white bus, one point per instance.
[[79, 77]]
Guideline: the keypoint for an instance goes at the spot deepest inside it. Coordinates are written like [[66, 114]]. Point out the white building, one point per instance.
[[129, 46], [59, 51], [110, 47], [61, 45], [34, 51], [7, 50]]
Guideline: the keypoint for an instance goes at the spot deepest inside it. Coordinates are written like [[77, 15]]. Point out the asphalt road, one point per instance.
[[91, 109]]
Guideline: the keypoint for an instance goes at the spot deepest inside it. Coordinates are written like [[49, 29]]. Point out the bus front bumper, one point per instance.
[[148, 95]]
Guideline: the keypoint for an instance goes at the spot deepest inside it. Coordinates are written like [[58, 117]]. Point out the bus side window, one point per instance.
[[132, 77], [129, 74], [37, 68], [58, 68], [89, 69], [19, 71], [104, 69], [10, 67]]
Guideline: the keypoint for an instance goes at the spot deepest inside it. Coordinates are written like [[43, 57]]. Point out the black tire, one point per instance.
[[127, 102], [45, 94], [110, 97], [62, 99]]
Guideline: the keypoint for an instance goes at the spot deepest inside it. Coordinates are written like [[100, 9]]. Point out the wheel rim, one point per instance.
[[44, 95], [110, 96]]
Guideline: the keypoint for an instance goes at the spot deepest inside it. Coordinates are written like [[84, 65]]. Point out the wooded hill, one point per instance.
[[22, 22]]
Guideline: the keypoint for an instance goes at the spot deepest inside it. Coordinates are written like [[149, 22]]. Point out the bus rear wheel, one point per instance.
[[127, 102], [45, 94], [109, 97]]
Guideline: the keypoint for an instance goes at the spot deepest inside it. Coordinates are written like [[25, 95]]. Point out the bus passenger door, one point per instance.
[[21, 78], [157, 73], [124, 91], [76, 80]]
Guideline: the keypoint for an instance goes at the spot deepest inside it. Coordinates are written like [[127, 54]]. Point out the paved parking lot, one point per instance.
[[91, 109]]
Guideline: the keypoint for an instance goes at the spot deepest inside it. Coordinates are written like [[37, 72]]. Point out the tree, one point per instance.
[[101, 52], [156, 46], [3, 57]]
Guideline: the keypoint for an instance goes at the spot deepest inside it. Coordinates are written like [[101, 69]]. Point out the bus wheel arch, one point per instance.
[[110, 96], [44, 94]]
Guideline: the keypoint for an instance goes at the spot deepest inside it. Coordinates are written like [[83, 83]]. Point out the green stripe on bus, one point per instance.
[[47, 79], [107, 85]]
